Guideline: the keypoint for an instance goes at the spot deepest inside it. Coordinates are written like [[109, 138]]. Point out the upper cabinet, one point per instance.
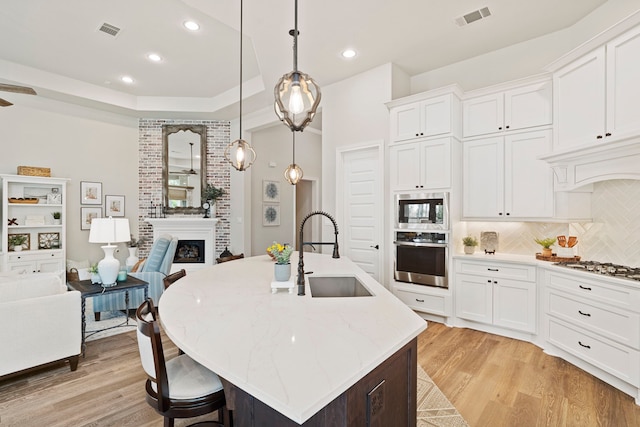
[[421, 165], [597, 96], [518, 108], [435, 114]]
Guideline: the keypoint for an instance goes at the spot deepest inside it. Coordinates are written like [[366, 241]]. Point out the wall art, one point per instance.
[[87, 215], [90, 193], [270, 215], [113, 205]]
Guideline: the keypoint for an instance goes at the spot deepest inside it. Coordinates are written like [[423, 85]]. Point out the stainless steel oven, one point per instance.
[[422, 211], [421, 258]]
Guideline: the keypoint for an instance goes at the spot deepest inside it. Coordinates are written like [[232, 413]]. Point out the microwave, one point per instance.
[[422, 211]]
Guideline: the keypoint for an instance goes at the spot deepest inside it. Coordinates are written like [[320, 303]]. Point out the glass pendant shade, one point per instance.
[[240, 154], [297, 97], [293, 174]]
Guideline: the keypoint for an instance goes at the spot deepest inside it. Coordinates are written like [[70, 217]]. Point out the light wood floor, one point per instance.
[[493, 381]]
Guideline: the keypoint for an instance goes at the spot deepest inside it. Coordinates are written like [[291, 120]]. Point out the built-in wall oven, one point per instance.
[[421, 258]]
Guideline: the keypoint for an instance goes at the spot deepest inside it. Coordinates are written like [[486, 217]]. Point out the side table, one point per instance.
[[87, 289]]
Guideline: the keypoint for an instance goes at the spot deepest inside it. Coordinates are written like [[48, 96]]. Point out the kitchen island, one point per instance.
[[288, 359]]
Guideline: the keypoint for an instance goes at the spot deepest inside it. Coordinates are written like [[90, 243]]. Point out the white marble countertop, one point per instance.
[[294, 353]]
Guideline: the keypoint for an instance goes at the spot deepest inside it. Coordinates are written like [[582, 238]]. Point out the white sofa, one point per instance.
[[40, 322]]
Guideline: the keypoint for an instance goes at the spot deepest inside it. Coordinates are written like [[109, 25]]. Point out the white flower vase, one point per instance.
[[132, 259], [282, 272], [17, 248]]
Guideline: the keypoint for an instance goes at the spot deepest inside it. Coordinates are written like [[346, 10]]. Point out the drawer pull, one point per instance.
[[584, 345], [584, 314], [585, 288], [492, 269], [419, 300]]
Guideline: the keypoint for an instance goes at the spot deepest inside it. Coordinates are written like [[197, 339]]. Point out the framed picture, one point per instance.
[[27, 242], [270, 215], [113, 205], [90, 193], [87, 215], [270, 191], [48, 240]]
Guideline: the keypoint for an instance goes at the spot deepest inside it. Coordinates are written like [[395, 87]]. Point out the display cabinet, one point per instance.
[[33, 223]]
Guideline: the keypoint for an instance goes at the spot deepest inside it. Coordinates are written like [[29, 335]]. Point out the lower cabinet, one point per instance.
[[46, 262], [424, 299], [487, 292]]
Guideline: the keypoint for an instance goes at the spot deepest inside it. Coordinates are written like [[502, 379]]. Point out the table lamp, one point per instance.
[[109, 230]]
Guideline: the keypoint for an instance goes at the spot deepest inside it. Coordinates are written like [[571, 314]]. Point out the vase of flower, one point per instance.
[[281, 253], [132, 259], [282, 272]]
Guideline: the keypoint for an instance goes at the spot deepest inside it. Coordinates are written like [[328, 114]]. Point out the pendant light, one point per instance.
[[297, 95], [293, 173], [240, 153], [192, 171]]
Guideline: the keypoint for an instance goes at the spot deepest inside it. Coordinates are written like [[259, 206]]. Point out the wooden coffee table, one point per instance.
[[87, 290]]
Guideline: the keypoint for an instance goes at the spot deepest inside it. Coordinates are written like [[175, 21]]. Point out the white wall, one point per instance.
[[76, 143], [353, 112], [273, 145], [526, 58]]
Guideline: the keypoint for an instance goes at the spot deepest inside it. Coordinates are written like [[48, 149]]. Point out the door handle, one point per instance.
[[375, 247]]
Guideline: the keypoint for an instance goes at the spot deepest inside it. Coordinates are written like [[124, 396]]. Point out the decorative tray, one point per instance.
[[555, 258], [27, 200]]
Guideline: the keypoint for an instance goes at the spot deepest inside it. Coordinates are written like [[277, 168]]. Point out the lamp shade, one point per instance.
[[109, 230]]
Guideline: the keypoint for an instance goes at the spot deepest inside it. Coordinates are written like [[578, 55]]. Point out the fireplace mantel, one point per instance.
[[188, 228]]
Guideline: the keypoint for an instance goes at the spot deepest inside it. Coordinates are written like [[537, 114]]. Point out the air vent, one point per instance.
[[112, 30], [474, 16]]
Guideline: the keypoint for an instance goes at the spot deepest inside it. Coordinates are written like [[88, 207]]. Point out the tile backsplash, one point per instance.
[[613, 236]]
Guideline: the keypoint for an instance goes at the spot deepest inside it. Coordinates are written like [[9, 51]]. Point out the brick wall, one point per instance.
[[150, 174]]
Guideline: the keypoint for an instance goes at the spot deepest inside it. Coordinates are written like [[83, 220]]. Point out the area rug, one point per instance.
[[111, 323], [434, 409]]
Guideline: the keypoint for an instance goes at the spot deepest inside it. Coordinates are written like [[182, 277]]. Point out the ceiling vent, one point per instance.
[[474, 16], [112, 30]]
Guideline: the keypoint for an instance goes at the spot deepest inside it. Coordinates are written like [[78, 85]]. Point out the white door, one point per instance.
[[359, 204]]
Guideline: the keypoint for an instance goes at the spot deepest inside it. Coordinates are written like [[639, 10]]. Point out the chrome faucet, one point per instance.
[[300, 281]]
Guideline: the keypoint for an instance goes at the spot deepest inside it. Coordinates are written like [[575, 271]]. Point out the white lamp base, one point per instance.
[[109, 267]]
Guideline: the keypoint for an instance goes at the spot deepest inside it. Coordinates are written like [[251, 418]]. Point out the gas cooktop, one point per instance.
[[603, 268]]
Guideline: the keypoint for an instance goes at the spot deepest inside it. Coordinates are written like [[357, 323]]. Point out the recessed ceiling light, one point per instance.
[[154, 57], [191, 25], [127, 79], [348, 53]]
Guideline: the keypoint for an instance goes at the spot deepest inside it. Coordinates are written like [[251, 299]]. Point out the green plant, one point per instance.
[[93, 269], [17, 239], [281, 253], [469, 241], [133, 243], [212, 193], [546, 243], [57, 215]]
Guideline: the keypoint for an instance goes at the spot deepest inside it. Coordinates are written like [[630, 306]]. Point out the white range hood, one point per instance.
[[586, 164]]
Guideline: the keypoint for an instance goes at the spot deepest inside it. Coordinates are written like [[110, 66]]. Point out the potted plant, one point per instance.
[[470, 244], [16, 241], [210, 194], [546, 245], [57, 218], [95, 276], [281, 253]]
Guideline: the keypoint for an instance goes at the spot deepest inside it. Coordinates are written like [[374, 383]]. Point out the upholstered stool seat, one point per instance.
[[188, 379]]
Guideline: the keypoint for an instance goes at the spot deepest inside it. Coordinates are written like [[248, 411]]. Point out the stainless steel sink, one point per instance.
[[337, 287]]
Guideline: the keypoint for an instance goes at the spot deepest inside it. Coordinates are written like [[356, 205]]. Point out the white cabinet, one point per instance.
[[518, 108], [597, 96], [28, 207], [421, 165], [421, 119], [495, 293], [424, 299], [503, 178], [596, 321]]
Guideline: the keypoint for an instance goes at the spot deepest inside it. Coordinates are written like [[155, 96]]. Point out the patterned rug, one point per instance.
[[434, 409], [111, 323]]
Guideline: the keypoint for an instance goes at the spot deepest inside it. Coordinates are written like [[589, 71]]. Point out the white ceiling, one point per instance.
[[55, 46]]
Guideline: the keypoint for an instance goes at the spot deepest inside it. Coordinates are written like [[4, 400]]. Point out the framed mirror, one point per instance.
[[184, 167]]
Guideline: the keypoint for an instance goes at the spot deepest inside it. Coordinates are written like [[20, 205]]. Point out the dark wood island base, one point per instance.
[[384, 397]]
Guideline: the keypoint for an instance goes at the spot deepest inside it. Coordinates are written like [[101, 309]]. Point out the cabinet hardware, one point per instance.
[[508, 213], [489, 281], [584, 345], [495, 282], [607, 134], [493, 269], [500, 128], [375, 247], [584, 314], [499, 213], [599, 137], [584, 287], [419, 300], [507, 127]]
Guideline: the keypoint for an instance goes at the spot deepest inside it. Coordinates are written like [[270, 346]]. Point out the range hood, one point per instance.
[[586, 164]]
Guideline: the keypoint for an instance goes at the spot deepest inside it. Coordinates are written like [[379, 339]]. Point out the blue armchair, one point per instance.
[[155, 269]]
